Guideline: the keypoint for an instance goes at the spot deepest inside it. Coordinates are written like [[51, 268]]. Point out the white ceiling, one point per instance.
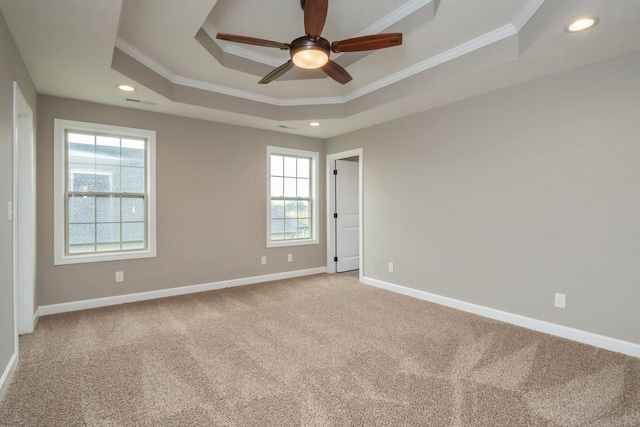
[[453, 49]]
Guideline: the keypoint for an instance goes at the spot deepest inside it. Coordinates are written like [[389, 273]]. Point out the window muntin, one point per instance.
[[104, 193], [292, 202]]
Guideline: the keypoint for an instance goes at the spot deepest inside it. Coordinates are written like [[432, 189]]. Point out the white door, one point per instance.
[[348, 216]]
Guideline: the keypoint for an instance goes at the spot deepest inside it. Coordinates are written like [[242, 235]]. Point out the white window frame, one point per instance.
[[314, 156], [61, 126]]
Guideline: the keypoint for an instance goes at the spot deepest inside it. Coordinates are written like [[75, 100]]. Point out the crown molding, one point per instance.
[[225, 90], [142, 58], [480, 42], [393, 18], [451, 54], [397, 15], [527, 13]]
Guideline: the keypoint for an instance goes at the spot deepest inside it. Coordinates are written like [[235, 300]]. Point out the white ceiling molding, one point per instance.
[[211, 87], [394, 17], [529, 10], [451, 54], [142, 58]]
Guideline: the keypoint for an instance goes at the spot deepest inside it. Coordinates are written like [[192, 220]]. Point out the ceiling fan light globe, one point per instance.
[[310, 59]]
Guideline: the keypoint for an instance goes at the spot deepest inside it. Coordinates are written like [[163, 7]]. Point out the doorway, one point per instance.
[[24, 215], [344, 212]]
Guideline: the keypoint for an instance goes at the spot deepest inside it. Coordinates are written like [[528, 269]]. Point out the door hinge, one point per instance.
[[335, 171], [335, 259], [335, 215]]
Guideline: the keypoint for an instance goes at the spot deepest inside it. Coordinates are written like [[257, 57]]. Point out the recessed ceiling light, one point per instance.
[[581, 24], [314, 124], [126, 88]]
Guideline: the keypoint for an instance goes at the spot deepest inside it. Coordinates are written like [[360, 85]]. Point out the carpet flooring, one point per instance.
[[322, 350]]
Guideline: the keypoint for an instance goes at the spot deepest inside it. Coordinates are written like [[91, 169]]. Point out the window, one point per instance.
[[104, 193], [292, 203]]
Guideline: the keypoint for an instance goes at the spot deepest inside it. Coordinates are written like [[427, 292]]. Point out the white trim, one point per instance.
[[315, 199], [142, 58], [395, 16], [8, 374], [451, 54], [46, 310], [60, 126], [330, 193], [527, 13], [601, 341], [446, 56], [24, 207]]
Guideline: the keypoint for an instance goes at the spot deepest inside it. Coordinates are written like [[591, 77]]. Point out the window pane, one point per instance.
[[133, 235], [81, 209], [291, 209], [132, 152], [108, 209], [303, 209], [277, 209], [107, 179], [133, 209], [290, 166], [277, 187], [289, 187], [290, 228], [81, 153], [82, 177], [108, 233], [81, 238], [277, 229], [303, 187], [303, 168], [277, 165], [132, 180], [107, 150], [304, 230]]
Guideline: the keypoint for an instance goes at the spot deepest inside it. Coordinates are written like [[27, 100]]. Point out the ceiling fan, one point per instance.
[[312, 51]]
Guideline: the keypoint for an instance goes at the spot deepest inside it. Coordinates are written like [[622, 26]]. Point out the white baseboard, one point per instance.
[[163, 293], [8, 374], [584, 337]]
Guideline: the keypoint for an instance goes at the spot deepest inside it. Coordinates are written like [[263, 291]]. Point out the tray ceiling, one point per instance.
[[452, 49]]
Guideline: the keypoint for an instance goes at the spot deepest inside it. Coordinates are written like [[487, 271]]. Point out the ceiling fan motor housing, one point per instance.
[[305, 43]]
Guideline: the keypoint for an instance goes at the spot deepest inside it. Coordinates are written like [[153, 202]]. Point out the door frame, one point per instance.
[[24, 215], [330, 202]]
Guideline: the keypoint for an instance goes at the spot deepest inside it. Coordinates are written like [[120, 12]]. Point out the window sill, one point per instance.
[[110, 256], [285, 243]]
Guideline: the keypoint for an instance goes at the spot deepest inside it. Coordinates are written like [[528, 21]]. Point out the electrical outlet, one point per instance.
[[264, 260], [561, 300], [119, 276], [290, 258], [390, 267]]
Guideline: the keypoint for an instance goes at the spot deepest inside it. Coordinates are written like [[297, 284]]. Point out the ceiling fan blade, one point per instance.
[[372, 42], [336, 72], [277, 72], [315, 15], [252, 41]]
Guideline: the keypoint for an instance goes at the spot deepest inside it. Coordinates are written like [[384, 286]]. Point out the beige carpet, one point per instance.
[[316, 351]]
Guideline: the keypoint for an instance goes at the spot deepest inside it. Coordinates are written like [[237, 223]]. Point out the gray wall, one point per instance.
[[11, 69], [211, 206], [504, 199]]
